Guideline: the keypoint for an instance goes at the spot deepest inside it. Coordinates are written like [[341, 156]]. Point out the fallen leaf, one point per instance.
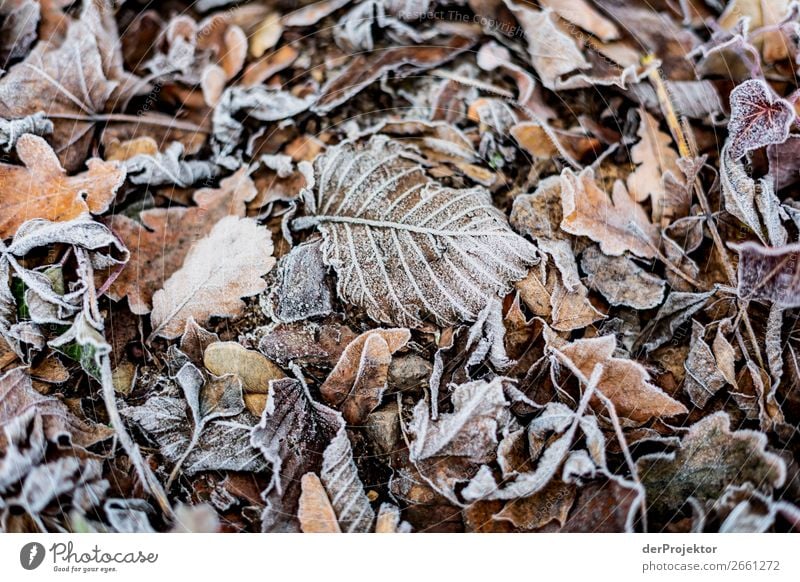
[[769, 273], [217, 272], [161, 242], [315, 512], [61, 426], [703, 375], [618, 224], [758, 118], [434, 240], [625, 382], [42, 189], [621, 281], [654, 157], [357, 383], [253, 368], [710, 457]]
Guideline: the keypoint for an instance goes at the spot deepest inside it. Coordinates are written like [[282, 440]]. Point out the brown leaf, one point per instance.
[[551, 503], [356, 384], [161, 242], [42, 189], [619, 224], [654, 157], [218, 271], [769, 273], [366, 68], [625, 382], [60, 425], [315, 512], [66, 79], [621, 281]]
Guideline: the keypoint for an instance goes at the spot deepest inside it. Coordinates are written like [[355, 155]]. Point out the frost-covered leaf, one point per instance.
[[67, 80], [366, 68], [769, 273], [703, 377], [303, 289], [619, 224], [340, 477], [678, 308], [168, 167], [11, 130], [161, 242], [218, 270], [437, 252], [292, 436], [583, 14], [356, 385], [758, 118], [654, 157], [223, 445], [710, 458], [552, 51], [61, 426], [42, 189], [621, 281], [625, 382]]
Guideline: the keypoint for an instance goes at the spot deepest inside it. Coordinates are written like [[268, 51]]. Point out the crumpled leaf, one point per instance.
[[583, 14], [61, 426], [758, 118], [168, 167], [619, 224], [356, 385], [42, 189], [553, 52], [292, 436], [218, 270], [11, 130], [711, 457], [161, 242], [621, 281], [303, 290], [429, 243], [625, 382]]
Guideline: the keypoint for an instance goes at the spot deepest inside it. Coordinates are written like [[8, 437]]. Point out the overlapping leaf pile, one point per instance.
[[391, 266]]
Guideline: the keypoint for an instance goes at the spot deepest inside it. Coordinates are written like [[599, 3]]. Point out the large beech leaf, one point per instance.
[[406, 248]]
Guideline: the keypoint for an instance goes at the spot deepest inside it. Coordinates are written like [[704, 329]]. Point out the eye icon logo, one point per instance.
[[31, 555]]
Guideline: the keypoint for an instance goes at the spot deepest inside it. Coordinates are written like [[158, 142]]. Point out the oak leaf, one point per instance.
[[619, 224], [42, 189], [161, 242]]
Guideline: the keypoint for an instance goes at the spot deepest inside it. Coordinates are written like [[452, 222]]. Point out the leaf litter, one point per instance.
[[373, 266]]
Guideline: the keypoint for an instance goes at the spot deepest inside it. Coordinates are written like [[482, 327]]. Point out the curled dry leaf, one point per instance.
[[356, 384], [619, 224], [42, 189], [438, 252], [161, 242], [218, 271], [61, 426]]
